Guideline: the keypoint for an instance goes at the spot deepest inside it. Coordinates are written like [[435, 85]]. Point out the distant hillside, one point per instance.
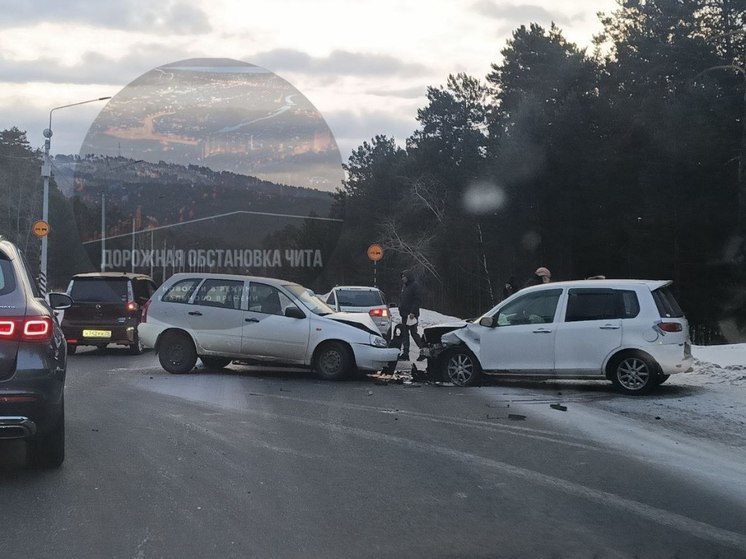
[[157, 194]]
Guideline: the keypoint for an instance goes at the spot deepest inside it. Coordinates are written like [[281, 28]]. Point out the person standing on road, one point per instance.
[[409, 309]]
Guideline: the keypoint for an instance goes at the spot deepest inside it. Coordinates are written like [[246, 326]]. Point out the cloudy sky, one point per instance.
[[365, 64]]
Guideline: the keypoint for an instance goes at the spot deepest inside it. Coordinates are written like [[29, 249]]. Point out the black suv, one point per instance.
[[33, 362], [106, 309]]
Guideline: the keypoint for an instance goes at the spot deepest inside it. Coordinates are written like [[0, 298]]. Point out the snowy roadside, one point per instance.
[[709, 402]]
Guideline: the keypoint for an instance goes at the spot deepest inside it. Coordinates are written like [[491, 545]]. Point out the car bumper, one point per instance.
[[31, 399], [123, 335], [674, 358], [369, 358]]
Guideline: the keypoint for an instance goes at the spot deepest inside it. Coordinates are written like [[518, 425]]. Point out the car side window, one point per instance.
[[532, 308], [143, 289], [7, 277], [223, 293], [268, 300], [181, 291], [601, 304]]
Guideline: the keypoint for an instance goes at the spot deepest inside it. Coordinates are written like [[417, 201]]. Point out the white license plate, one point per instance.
[[97, 333]]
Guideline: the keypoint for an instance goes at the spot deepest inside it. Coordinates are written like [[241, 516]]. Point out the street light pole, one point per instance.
[[46, 172]]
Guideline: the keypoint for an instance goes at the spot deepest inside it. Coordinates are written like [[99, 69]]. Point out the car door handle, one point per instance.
[[195, 313], [251, 320], [542, 331], [609, 327]]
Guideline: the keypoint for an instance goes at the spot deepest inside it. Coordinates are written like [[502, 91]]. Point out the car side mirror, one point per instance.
[[294, 312], [60, 301], [487, 321]]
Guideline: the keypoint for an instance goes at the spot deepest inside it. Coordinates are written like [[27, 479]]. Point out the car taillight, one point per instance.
[[132, 306], [670, 326], [26, 328], [379, 312], [144, 316]]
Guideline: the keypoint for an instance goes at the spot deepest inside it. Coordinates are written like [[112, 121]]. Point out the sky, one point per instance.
[[365, 65]]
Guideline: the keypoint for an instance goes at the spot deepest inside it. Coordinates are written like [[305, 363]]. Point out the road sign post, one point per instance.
[[375, 253]]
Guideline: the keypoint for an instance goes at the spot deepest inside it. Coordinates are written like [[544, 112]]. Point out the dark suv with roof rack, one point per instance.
[[33, 362], [106, 309]]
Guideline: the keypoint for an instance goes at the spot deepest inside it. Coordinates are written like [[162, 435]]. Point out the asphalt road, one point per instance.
[[247, 462]]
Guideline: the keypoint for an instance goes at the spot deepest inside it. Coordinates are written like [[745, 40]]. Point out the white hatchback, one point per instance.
[[631, 332], [220, 318]]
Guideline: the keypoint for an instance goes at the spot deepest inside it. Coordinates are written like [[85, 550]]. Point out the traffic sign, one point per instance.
[[40, 228], [375, 252]]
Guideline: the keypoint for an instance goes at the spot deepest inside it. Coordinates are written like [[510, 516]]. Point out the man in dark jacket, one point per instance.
[[409, 309]]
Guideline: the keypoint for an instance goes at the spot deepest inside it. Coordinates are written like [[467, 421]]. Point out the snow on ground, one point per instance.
[[708, 403]]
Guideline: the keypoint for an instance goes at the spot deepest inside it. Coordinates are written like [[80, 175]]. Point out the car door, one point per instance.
[[522, 338], [215, 316], [591, 329], [267, 332]]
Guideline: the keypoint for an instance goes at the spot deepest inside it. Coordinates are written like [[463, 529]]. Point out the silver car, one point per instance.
[[220, 318]]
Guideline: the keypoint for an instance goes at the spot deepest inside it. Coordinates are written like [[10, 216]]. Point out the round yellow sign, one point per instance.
[[375, 252], [40, 228]]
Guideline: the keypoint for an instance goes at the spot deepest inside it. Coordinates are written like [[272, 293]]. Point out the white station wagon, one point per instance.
[[631, 332], [220, 318]]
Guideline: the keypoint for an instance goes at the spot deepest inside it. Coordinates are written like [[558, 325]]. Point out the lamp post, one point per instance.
[[46, 171]]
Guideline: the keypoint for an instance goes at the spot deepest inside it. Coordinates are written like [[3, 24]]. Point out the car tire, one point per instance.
[[633, 373], [47, 450], [176, 353], [215, 362], [460, 367], [333, 361], [71, 349], [136, 347]]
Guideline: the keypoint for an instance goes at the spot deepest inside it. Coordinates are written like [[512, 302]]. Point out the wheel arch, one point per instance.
[[175, 331], [446, 354], [620, 353], [322, 343]]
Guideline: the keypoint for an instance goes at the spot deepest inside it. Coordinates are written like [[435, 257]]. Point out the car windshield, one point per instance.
[[99, 290], [309, 300]]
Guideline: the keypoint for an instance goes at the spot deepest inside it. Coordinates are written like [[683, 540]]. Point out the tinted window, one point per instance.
[[601, 304], [355, 298], [143, 288], [220, 293], [99, 290], [667, 305], [181, 291], [7, 277]]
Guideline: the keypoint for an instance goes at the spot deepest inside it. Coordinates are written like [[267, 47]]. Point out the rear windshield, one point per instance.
[[354, 298], [99, 290], [666, 303]]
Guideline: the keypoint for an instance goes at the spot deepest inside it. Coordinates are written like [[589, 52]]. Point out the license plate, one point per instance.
[[97, 333]]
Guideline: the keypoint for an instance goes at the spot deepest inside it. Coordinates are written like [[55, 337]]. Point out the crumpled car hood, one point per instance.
[[363, 321], [433, 334]]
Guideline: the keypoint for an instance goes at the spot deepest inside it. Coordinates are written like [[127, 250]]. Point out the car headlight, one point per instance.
[[378, 341]]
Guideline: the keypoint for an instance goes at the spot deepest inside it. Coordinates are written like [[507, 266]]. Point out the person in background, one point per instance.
[[409, 309], [509, 288], [541, 275]]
